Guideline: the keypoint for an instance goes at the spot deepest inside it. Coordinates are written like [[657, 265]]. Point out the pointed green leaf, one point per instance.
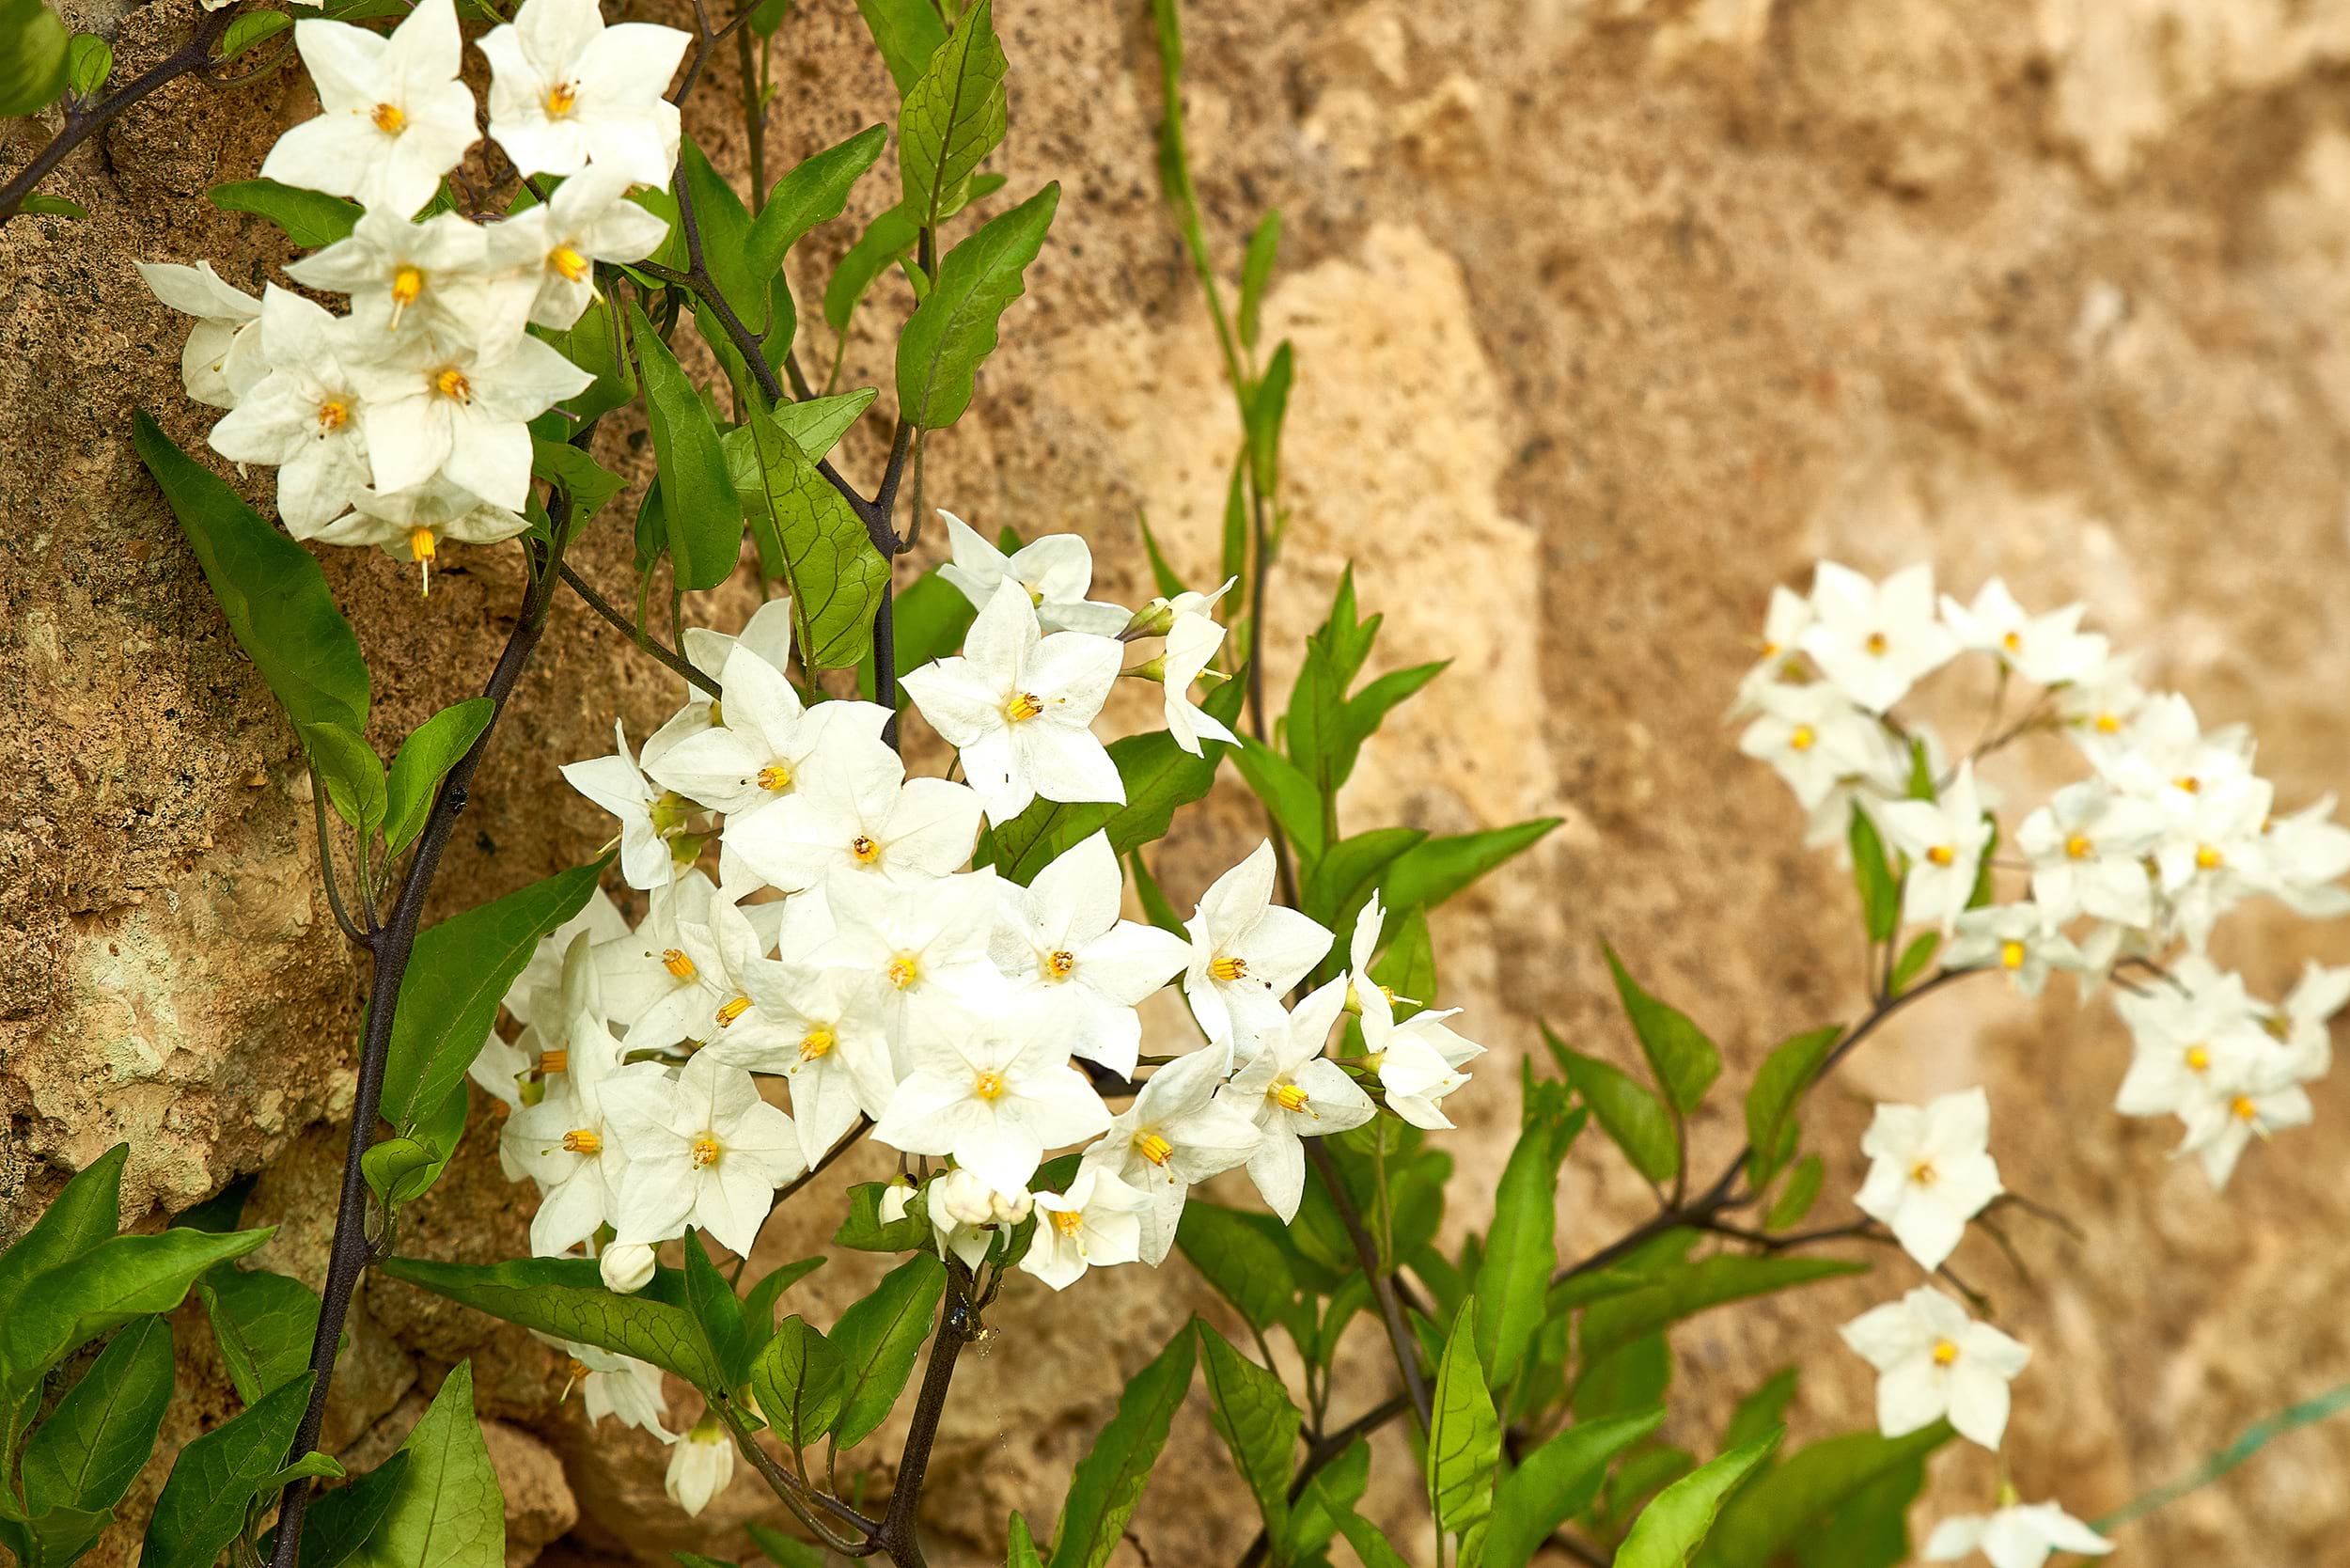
[[785, 1551], [203, 1504], [1777, 1094], [86, 1211], [1463, 1432], [1256, 272], [1287, 793], [1253, 1414], [33, 49], [705, 526], [1520, 1252], [953, 115], [1797, 1498], [879, 1337], [1342, 880], [1020, 1546], [264, 1323], [1683, 1059], [1880, 890], [1669, 1530], [954, 329], [717, 1313], [1236, 1259], [566, 1297], [865, 1230], [447, 1511], [1796, 1194], [311, 219], [1761, 1412], [1556, 1482], [1634, 1118], [1110, 1477], [91, 1447], [759, 1307], [1428, 874], [120, 1279], [341, 1521], [829, 560], [798, 1381], [1329, 1498], [425, 758], [1686, 1289], [908, 33]]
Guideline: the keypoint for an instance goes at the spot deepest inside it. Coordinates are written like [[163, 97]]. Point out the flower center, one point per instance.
[[2011, 955], [2208, 858], [988, 1085], [579, 1369], [677, 962], [1067, 1221], [2109, 724], [452, 384], [1022, 707], [569, 262], [865, 849], [732, 1009], [1227, 967], [561, 100], [2077, 847], [1153, 1148], [1803, 737], [407, 283], [2197, 1058], [819, 1042], [704, 1152], [1877, 645], [2013, 642], [582, 1140], [904, 970], [2242, 1108], [1288, 1096], [1060, 964], [390, 118], [774, 778], [2188, 783], [1945, 1353], [555, 1061], [333, 414], [1923, 1174], [1942, 854], [422, 545]]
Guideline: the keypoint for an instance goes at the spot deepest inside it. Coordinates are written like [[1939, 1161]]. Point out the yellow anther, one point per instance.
[[817, 1043], [1942, 854], [1227, 967], [676, 961], [1153, 1148], [2188, 783], [1923, 1174], [2013, 642], [569, 262], [333, 413], [2011, 955], [2242, 1108], [1023, 706], [452, 384], [988, 1085], [579, 1369], [1945, 1353], [1803, 737], [2109, 724], [1060, 965], [1067, 1221], [865, 849], [904, 970], [555, 1061], [732, 1008], [703, 1151], [389, 119], [2197, 1058], [583, 1140], [1878, 643], [2208, 858], [561, 100], [407, 284], [1289, 1096], [2077, 847], [774, 778]]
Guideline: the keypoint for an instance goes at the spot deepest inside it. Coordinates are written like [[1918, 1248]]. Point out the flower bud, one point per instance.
[[964, 1199], [700, 1464], [626, 1266]]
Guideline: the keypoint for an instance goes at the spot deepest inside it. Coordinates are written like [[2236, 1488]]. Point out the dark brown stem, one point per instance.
[[1382, 1287], [958, 1323], [660, 651]]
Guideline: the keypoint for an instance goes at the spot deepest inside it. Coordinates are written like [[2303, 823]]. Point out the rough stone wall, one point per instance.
[[1610, 315]]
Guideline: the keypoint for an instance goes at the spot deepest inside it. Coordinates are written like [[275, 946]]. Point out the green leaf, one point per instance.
[[784, 1551], [1163, 576], [311, 219], [717, 1315], [1635, 1118], [865, 1230], [351, 772], [1020, 1546], [447, 1511], [1690, 1288], [1463, 1432], [1796, 1194], [120, 1279], [1268, 406], [1369, 1544], [1329, 1498], [1672, 1528], [1520, 1252], [725, 227], [1915, 958], [1368, 709], [1880, 890], [1238, 1261], [594, 343], [1340, 882], [1761, 1412], [953, 116], [798, 1383], [590, 483], [1683, 1059], [954, 329], [705, 526], [827, 556], [817, 424], [1110, 1477], [759, 1307], [1288, 793], [85, 1212], [1778, 1090], [890, 237], [91, 1447], [272, 593], [1256, 272], [1797, 1498], [908, 33], [1154, 902], [564, 1298], [457, 976], [202, 1508], [1407, 966], [879, 1337], [313, 1466], [264, 1323], [341, 1521], [32, 57], [399, 1170], [1625, 1381], [88, 61], [249, 29], [1556, 1482], [1253, 1414], [425, 758], [52, 206], [1427, 875]]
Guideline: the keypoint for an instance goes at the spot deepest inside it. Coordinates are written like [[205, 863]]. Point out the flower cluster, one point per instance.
[[843, 951], [406, 421], [2121, 877]]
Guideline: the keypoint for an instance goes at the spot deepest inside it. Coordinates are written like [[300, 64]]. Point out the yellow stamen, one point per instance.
[[407, 284], [1227, 967], [561, 100], [555, 1061], [677, 962], [333, 414], [2077, 847], [904, 970], [1023, 706], [865, 849], [1059, 966], [2197, 1058], [818, 1043], [452, 384], [2191, 784], [2109, 724], [579, 1369], [1153, 1148], [988, 1085], [1945, 1353], [774, 778], [2011, 955], [1289, 1096], [703, 1151], [1878, 643], [1923, 1173], [421, 544], [1803, 737], [569, 262], [2013, 642], [1942, 854], [2242, 1109], [1067, 1221], [732, 1009], [2208, 858], [389, 119], [583, 1140]]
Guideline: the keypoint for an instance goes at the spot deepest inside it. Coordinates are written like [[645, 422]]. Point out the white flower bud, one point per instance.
[[700, 1464], [627, 1267], [964, 1199]]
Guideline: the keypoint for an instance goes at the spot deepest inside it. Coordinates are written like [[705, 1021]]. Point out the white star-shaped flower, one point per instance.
[[1945, 840], [1060, 940], [857, 816], [996, 1098], [433, 409], [1056, 571], [770, 745], [2021, 1535], [703, 1150], [222, 359], [1097, 1222], [556, 244], [1812, 736], [1932, 1360], [926, 947], [1931, 1171], [393, 116], [1246, 951], [566, 92], [2048, 650], [567, 1142], [821, 1030], [1784, 622], [647, 820], [1875, 641], [1293, 1091], [303, 417], [2088, 848], [2016, 938], [2307, 854], [1191, 642], [1177, 1133]]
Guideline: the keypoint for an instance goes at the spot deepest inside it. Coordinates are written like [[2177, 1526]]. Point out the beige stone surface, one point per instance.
[[1609, 314]]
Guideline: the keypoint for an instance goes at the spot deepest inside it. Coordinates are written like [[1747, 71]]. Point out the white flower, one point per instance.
[[859, 816], [1874, 641], [2021, 1535], [648, 822], [410, 523], [703, 1150], [2166, 755], [394, 117], [2211, 854], [822, 1029], [566, 1141], [1098, 1221], [770, 745], [626, 1267], [1933, 1361], [2305, 854], [702, 1464], [1175, 1134], [2195, 1032], [2088, 848], [551, 988], [926, 949], [1945, 840], [2261, 1102], [1293, 1091], [302, 416], [558, 243], [1060, 938], [1783, 625], [611, 1384], [1931, 1171], [2101, 703], [565, 89], [2302, 1025], [1017, 704], [2018, 938], [222, 359], [965, 1212], [996, 1098], [1056, 571], [1191, 642], [1245, 953], [1418, 1059], [430, 409], [661, 982], [416, 280], [1812, 736], [2048, 650]]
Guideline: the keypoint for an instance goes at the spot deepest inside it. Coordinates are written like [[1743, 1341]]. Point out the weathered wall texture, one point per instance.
[[1609, 314]]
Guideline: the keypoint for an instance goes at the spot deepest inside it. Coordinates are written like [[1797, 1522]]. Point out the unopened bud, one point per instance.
[[626, 1267]]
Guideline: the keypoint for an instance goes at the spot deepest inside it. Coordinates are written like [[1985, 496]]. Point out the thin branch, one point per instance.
[[638, 635], [1382, 1287], [327, 871]]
